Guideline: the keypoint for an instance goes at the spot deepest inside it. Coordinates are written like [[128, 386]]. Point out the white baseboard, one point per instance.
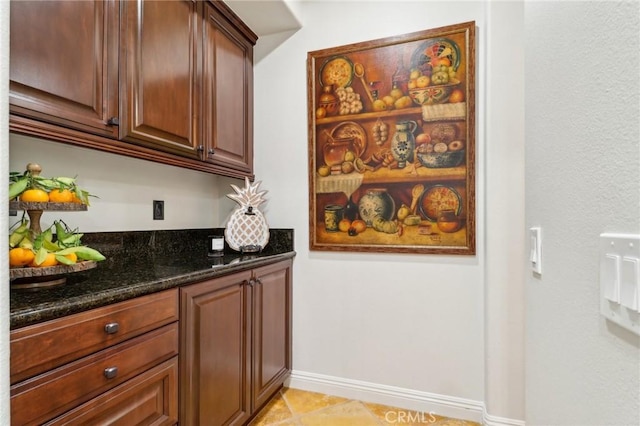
[[489, 420], [425, 402]]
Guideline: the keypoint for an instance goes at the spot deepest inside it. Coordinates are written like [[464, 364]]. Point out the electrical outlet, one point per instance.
[[158, 210]]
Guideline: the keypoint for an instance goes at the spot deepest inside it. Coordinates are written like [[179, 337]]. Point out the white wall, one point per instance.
[[416, 321], [125, 189], [582, 179], [409, 327], [379, 322], [4, 169], [504, 177]]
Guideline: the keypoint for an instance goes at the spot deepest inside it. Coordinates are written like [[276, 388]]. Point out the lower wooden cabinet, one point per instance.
[[209, 353], [111, 365], [235, 344]]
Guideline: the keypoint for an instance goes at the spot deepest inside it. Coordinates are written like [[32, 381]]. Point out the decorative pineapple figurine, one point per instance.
[[247, 229]]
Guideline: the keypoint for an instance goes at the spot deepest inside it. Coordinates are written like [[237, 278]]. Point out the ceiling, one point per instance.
[[265, 17]]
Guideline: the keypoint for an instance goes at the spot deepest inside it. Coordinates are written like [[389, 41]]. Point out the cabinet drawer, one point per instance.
[[50, 394], [150, 398], [41, 347]]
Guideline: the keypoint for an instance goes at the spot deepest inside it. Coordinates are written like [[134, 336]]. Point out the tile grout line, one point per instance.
[[297, 417], [293, 415]]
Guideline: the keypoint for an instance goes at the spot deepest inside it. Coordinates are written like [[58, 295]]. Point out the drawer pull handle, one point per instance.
[[112, 328], [110, 372]]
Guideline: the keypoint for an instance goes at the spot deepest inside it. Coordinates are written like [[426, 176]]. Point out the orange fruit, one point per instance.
[[344, 225], [20, 257], [61, 196], [456, 95], [75, 199], [34, 195], [72, 257], [50, 260]]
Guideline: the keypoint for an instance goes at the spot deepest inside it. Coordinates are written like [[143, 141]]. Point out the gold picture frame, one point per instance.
[[392, 144]]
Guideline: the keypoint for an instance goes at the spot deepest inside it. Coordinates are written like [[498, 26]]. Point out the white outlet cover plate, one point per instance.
[[620, 279]]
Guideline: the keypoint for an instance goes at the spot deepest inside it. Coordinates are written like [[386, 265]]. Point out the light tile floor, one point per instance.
[[294, 407]]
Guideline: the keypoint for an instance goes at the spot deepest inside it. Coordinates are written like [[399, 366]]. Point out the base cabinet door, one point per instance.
[[271, 330], [214, 374], [235, 344]]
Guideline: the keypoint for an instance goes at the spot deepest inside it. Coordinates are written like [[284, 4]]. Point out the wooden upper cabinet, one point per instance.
[[159, 74], [65, 72], [227, 92], [169, 81]]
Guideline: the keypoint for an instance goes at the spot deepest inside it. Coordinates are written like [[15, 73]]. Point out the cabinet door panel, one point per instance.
[[228, 87], [63, 66], [271, 330], [159, 97], [214, 348]]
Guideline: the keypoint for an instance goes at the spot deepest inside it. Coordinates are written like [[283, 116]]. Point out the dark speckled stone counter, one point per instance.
[[139, 263]]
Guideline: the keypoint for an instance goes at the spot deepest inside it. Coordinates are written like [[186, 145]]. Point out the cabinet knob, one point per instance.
[[112, 328], [200, 148], [251, 282], [211, 151], [113, 121], [110, 372]]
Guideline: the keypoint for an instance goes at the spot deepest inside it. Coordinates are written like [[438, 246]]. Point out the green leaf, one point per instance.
[[44, 183], [50, 246], [18, 188], [61, 230], [71, 240], [83, 252], [47, 234], [64, 260], [41, 255], [65, 181], [83, 195]]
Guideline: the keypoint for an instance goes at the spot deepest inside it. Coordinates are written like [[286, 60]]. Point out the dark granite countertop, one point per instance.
[[139, 263]]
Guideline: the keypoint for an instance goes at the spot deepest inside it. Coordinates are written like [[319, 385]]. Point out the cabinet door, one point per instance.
[[228, 93], [158, 68], [63, 66], [271, 330], [215, 337]]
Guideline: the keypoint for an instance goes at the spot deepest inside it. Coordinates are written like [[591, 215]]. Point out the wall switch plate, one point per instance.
[[158, 210], [535, 249], [620, 280]]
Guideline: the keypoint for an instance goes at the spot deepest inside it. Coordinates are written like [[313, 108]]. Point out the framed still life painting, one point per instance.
[[392, 144]]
